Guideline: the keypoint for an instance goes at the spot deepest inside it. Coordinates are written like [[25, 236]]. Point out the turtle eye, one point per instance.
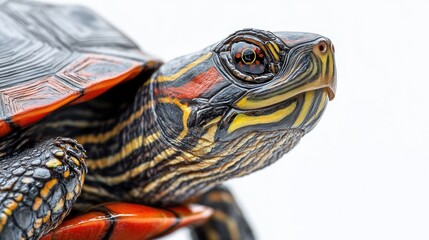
[[249, 58], [251, 62], [252, 56]]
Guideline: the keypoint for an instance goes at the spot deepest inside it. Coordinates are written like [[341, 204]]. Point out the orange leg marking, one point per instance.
[[4, 128], [128, 221]]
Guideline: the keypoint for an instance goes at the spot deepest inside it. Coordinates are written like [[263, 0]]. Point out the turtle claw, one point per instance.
[[71, 152]]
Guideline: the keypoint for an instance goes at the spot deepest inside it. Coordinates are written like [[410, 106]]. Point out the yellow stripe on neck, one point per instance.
[[128, 175], [105, 136], [124, 152]]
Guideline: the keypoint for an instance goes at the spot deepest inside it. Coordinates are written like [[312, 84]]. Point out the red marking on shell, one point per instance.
[[197, 86], [31, 101], [97, 74]]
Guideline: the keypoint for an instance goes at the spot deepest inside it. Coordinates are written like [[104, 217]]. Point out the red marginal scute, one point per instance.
[[98, 73]]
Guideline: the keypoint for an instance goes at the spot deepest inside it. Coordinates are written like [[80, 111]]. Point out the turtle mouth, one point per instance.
[[300, 96]]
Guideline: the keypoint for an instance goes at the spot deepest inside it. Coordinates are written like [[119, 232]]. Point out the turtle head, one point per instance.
[[240, 104]]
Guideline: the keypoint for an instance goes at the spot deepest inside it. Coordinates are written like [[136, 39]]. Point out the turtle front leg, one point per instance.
[[38, 187], [227, 221]]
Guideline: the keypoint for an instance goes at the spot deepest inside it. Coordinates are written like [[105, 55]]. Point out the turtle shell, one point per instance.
[[53, 55]]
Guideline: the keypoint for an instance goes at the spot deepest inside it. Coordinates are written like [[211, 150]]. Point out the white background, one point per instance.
[[363, 172]]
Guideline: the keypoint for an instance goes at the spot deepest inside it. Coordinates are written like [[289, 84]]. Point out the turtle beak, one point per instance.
[[309, 66], [324, 49]]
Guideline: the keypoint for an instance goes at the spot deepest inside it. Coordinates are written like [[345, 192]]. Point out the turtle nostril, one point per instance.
[[323, 47]]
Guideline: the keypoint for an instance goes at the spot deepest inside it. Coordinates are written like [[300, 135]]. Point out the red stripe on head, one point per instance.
[[200, 84]]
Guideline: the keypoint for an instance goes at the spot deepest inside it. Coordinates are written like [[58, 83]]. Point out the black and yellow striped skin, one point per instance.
[[166, 137], [236, 127]]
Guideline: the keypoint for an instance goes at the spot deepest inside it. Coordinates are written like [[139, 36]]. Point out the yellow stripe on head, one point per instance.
[[319, 108], [274, 50], [182, 71], [276, 46], [186, 111], [308, 101], [321, 81], [244, 120]]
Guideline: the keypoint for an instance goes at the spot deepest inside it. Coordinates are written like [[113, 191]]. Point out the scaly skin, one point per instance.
[[39, 187]]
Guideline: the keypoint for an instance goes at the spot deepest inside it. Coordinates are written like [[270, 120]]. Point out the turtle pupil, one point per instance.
[[248, 56]]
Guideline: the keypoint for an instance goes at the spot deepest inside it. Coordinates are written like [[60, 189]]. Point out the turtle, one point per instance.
[[134, 146]]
